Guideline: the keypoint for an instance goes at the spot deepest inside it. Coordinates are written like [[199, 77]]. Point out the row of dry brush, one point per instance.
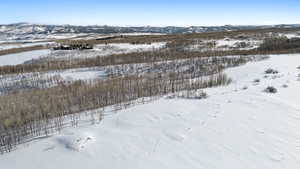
[[191, 68], [24, 82], [27, 115], [117, 59]]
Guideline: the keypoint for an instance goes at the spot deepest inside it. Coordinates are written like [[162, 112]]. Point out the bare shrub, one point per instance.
[[270, 89], [256, 80], [271, 71], [192, 94]]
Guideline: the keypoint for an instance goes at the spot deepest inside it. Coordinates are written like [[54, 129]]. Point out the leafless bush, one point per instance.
[[192, 94], [256, 80], [270, 89], [271, 71]]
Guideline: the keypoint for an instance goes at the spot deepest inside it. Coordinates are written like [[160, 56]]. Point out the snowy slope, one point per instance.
[[238, 127]]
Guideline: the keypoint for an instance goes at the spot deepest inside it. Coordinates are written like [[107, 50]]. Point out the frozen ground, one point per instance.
[[22, 45], [27, 81], [130, 47], [38, 37], [225, 44], [19, 58], [104, 50], [237, 127], [291, 35], [100, 50], [96, 36], [75, 36]]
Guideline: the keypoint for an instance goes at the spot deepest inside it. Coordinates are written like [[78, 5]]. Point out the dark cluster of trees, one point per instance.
[[280, 43], [74, 46]]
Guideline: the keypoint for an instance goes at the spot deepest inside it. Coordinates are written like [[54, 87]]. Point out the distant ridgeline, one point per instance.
[[73, 46]]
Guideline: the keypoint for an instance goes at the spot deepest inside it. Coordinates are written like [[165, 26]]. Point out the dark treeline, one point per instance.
[[130, 58], [183, 37], [192, 68], [280, 43], [38, 112]]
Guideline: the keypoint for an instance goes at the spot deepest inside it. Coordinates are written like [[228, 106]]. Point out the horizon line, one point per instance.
[[186, 26]]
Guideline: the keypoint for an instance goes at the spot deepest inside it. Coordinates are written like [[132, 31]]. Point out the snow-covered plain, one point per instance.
[[117, 48], [100, 50], [22, 45], [82, 74], [237, 127], [16, 82], [19, 58], [104, 50], [225, 44], [291, 35]]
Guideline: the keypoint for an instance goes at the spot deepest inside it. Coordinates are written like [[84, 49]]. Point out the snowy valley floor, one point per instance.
[[237, 127]]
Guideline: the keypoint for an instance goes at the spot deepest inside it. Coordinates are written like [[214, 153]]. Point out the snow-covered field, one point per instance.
[[40, 80], [19, 58], [291, 35], [231, 43], [131, 47], [100, 50], [22, 45], [96, 36], [39, 37], [104, 50], [225, 44], [117, 48], [237, 127], [19, 37]]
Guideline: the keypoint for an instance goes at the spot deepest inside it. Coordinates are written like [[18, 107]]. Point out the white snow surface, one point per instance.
[[105, 50], [115, 48], [237, 127], [226, 44], [80, 74], [22, 45], [19, 58], [291, 35]]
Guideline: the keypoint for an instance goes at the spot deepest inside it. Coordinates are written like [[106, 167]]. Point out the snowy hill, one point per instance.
[[26, 31], [237, 127]]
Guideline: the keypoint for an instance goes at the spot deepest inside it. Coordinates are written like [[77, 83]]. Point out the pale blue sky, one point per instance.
[[151, 12]]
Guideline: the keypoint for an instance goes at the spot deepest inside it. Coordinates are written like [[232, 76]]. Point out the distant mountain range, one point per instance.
[[23, 31]]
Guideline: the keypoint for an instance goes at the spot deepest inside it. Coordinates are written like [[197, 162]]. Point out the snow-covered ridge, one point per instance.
[[25, 31]]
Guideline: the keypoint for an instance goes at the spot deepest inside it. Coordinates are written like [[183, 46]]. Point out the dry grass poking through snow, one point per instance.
[[41, 112]]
